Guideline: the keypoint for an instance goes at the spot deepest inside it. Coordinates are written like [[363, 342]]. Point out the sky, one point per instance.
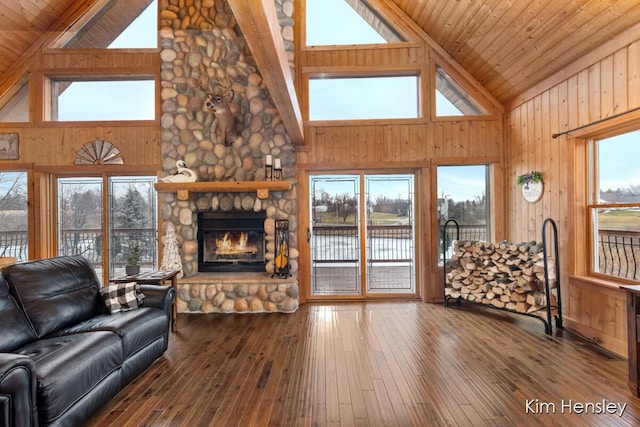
[[346, 26], [618, 165], [363, 98], [462, 183], [137, 34]]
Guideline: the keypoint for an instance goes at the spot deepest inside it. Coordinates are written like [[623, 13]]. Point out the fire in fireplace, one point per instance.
[[231, 241]]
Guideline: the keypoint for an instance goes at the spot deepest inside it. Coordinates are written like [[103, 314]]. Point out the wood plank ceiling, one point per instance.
[[507, 45], [511, 45], [22, 23]]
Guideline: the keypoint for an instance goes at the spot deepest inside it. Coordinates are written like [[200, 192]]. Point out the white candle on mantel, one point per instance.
[[277, 164], [269, 159]]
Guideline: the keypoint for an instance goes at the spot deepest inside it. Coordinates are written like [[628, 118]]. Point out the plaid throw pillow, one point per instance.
[[121, 296]]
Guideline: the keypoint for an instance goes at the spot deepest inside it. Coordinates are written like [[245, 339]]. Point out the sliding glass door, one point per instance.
[[362, 234]]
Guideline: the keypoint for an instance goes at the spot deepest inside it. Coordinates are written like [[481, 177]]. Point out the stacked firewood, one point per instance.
[[504, 275]]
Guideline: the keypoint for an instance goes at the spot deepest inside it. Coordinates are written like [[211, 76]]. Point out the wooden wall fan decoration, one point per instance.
[[98, 152]]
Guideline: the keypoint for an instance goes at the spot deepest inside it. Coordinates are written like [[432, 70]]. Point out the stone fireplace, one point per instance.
[[199, 47]]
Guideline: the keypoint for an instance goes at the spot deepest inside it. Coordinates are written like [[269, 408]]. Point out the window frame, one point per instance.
[[418, 73], [50, 79], [390, 20], [593, 205], [436, 247], [477, 97], [579, 189], [468, 99]]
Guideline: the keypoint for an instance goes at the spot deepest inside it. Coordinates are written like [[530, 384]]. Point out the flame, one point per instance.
[[227, 246]]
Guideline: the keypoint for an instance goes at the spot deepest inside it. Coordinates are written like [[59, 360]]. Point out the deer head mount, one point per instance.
[[218, 102]]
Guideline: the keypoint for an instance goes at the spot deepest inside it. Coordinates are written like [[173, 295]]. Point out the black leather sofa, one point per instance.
[[63, 354]]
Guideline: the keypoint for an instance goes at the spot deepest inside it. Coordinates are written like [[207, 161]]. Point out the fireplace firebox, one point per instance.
[[231, 241]]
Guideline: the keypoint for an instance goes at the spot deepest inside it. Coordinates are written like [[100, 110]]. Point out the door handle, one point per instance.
[[308, 234]]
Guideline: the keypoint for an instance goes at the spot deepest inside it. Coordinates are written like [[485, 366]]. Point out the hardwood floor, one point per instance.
[[374, 363]]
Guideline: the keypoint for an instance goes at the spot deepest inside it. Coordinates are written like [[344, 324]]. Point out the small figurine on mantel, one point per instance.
[[183, 174], [170, 254]]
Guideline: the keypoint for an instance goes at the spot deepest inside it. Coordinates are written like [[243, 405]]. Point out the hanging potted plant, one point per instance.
[[532, 186], [133, 260]]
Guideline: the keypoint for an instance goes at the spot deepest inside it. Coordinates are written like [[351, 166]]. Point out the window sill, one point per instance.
[[605, 283]]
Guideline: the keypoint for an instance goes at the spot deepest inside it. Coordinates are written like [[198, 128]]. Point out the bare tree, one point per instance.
[[80, 209], [13, 201], [345, 204]]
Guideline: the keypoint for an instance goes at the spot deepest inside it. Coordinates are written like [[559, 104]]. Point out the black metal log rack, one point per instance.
[[550, 310]]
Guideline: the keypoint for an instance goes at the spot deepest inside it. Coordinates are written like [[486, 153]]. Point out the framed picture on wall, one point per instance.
[[9, 146]]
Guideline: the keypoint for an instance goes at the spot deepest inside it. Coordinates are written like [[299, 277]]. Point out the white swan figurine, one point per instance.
[[183, 174]]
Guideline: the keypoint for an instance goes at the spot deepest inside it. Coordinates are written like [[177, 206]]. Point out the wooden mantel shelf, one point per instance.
[[261, 188]]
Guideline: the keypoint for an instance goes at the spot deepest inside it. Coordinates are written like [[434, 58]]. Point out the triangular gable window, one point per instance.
[[452, 99], [346, 22], [131, 24], [16, 109]]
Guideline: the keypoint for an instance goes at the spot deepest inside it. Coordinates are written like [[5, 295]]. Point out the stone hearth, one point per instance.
[[237, 293], [201, 46]]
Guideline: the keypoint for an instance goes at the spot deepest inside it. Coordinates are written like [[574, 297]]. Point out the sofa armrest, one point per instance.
[[159, 296], [17, 391]]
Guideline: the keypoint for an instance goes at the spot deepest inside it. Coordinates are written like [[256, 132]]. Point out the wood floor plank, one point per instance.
[[403, 363], [357, 400], [384, 403]]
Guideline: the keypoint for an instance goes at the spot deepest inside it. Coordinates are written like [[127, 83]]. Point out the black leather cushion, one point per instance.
[[16, 331], [55, 292], [69, 367], [136, 328]]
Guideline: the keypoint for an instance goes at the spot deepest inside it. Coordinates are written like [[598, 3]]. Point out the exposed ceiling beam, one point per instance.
[[259, 24]]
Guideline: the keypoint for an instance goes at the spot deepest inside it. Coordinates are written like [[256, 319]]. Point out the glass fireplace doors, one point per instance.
[[231, 241]]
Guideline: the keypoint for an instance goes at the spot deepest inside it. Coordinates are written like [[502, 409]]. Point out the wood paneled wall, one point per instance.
[[415, 145], [47, 146], [397, 144], [606, 86]]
